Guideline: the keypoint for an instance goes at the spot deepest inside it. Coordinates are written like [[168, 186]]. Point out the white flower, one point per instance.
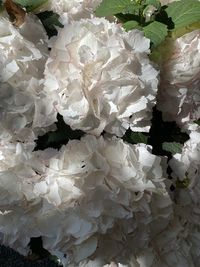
[[186, 167], [93, 197], [75, 9], [178, 96], [21, 171], [187, 164], [103, 77], [16, 195], [23, 53], [170, 248], [25, 110], [25, 113], [12, 154], [105, 193]]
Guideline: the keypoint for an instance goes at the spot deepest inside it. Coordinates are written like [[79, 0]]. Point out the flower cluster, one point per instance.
[[25, 110], [186, 170], [179, 96], [103, 77], [86, 197], [100, 201]]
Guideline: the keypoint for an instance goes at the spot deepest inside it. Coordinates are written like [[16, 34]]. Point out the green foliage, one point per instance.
[[184, 12], [30, 4], [131, 24], [172, 147], [155, 3], [156, 32], [132, 14], [50, 20], [163, 131], [139, 138], [176, 33], [59, 137], [183, 184], [112, 7], [135, 137], [197, 122]]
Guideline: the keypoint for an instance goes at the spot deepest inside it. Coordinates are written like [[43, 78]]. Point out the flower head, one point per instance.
[[103, 77], [25, 110], [106, 193], [186, 172], [178, 95], [93, 197]]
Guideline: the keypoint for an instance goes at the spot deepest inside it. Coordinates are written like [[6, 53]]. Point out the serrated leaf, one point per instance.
[[131, 24], [30, 4], [156, 32], [112, 7], [184, 12], [139, 138], [172, 147]]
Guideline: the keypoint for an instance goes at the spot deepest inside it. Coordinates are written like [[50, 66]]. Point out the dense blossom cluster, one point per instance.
[[179, 94], [25, 110], [186, 168], [103, 77], [98, 201], [85, 195]]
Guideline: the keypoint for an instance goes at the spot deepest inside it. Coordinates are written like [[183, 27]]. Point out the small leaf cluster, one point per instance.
[[156, 21]]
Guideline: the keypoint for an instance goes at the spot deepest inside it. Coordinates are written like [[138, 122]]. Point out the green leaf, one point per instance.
[[59, 137], [50, 20], [184, 12], [131, 24], [197, 122], [155, 3], [56, 137], [122, 18], [30, 4], [156, 32], [184, 183], [134, 9], [139, 138], [172, 147], [112, 7]]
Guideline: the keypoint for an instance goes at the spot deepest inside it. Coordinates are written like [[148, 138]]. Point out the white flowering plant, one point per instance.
[[100, 132]]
